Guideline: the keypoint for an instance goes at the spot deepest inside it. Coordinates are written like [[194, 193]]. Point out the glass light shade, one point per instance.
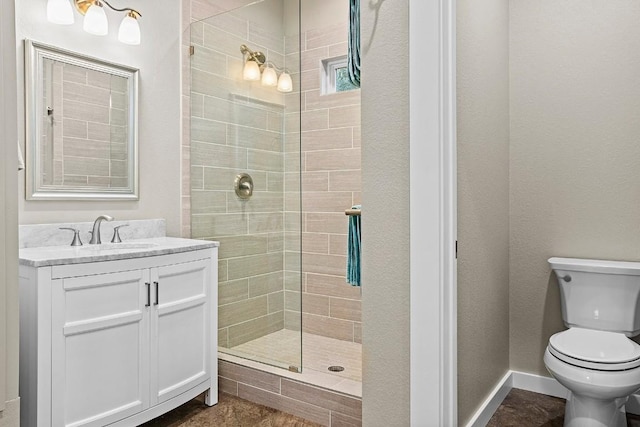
[[60, 12], [251, 71], [95, 21], [269, 77], [284, 83], [129, 32]]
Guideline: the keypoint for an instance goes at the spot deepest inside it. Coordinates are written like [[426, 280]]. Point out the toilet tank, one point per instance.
[[602, 295]]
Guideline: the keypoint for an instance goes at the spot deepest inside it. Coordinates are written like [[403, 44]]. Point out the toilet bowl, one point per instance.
[[595, 359], [601, 381]]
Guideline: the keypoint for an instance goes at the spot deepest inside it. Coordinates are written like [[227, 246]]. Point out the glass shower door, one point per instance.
[[245, 175]]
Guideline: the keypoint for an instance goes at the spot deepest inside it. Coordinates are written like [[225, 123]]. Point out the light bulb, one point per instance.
[[129, 31], [269, 77], [59, 12], [251, 71], [95, 20], [284, 83]]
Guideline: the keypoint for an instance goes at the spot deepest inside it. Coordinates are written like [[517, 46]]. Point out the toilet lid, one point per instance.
[[596, 347]]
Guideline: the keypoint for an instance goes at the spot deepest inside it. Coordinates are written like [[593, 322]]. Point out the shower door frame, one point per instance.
[[247, 99], [9, 210]]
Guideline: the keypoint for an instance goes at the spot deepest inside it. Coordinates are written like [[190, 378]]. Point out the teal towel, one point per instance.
[[354, 42], [353, 249]]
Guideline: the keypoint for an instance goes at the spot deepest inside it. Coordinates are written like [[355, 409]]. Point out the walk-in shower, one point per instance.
[[275, 161]]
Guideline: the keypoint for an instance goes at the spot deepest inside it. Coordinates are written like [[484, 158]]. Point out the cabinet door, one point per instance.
[[100, 336], [179, 328]]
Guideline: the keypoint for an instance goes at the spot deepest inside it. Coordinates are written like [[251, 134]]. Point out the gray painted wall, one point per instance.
[[573, 161], [575, 156], [483, 199], [385, 258]]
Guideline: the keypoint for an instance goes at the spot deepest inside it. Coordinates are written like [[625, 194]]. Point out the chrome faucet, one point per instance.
[[95, 233]]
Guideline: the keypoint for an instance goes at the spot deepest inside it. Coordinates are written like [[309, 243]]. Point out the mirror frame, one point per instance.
[[35, 53]]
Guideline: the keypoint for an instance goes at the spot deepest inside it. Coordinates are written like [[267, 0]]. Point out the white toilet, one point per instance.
[[594, 358]]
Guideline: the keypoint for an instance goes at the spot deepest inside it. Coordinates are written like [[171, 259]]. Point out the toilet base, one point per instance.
[[597, 398], [583, 411]]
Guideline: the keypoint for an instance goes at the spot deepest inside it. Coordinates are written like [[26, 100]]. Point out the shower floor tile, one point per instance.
[[318, 354]]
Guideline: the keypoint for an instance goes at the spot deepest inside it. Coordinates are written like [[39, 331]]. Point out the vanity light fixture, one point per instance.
[[284, 82], [257, 68], [59, 12], [251, 70], [95, 18], [269, 76], [129, 31]]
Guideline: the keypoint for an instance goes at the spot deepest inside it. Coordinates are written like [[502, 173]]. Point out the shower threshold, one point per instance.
[[318, 355]]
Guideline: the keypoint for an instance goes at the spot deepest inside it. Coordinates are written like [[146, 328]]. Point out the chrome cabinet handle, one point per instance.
[[148, 285], [157, 294]]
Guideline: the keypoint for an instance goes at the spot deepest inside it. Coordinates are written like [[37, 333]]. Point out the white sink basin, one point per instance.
[[113, 247]]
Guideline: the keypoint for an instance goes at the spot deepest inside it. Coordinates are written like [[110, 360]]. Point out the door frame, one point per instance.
[[8, 208], [3, 197], [433, 212]]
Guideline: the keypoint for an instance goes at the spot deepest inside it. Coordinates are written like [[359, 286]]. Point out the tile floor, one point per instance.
[[318, 352], [230, 411], [527, 409], [520, 408]]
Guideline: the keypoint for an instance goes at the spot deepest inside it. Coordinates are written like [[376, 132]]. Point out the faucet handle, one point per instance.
[[76, 236], [116, 233]]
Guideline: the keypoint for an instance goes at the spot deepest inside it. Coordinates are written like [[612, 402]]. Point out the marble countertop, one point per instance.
[[61, 255]]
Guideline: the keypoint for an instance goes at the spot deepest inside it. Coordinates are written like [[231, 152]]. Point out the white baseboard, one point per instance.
[[536, 383], [491, 404]]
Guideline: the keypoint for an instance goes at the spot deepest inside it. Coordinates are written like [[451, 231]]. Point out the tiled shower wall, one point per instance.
[[88, 145], [236, 127], [330, 184], [330, 162], [193, 11]]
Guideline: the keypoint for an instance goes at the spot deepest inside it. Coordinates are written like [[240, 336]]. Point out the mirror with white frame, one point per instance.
[[81, 126]]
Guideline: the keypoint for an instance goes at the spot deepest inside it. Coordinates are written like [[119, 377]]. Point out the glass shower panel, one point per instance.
[[245, 176]]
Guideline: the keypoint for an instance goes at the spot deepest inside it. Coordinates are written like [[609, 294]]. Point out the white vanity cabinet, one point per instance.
[[117, 342]]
